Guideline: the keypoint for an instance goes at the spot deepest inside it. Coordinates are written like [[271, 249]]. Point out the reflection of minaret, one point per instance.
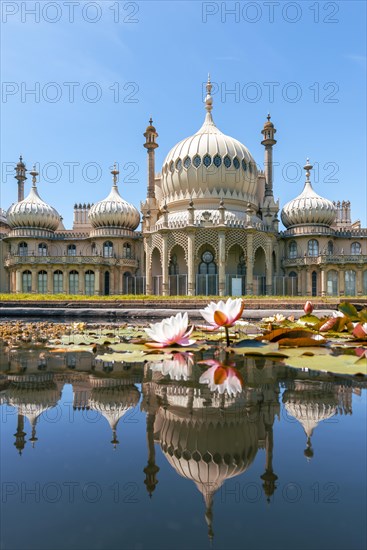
[[20, 435], [268, 477], [209, 500], [33, 437], [151, 469]]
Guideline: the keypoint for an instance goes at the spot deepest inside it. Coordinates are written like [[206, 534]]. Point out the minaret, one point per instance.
[[20, 435], [20, 171], [34, 175], [151, 469], [150, 144], [268, 132]]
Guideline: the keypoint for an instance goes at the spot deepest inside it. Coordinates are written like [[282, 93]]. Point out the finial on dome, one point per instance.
[[308, 167], [268, 117], [34, 175], [150, 121], [115, 173], [208, 98]]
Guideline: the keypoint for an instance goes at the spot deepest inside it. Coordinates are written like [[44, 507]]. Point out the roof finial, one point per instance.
[[151, 121], [34, 175], [208, 99], [308, 167], [268, 117], [115, 173]]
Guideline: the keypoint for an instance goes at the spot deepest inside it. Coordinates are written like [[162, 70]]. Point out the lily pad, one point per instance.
[[341, 364]]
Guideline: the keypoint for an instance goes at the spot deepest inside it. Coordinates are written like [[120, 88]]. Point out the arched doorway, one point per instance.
[[156, 272], [107, 283], [350, 282], [235, 271], [332, 283], [207, 278], [27, 281], [89, 282], [177, 272]]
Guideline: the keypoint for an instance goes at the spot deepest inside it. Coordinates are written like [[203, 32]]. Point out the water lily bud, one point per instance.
[[308, 307]]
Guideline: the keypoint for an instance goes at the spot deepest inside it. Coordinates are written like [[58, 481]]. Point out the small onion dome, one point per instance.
[[308, 207], [114, 211], [151, 128], [268, 123], [33, 212]]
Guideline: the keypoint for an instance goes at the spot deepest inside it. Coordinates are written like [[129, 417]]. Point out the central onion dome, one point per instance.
[[206, 166], [114, 211], [308, 208], [32, 212]]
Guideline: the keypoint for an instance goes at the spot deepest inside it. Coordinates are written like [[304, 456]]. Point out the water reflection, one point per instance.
[[206, 436]]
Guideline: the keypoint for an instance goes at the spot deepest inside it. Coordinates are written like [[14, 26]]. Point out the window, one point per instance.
[[207, 265], [42, 249], [89, 282], [292, 250], [330, 247], [71, 250], [187, 162], [172, 166], [355, 248], [236, 163], [127, 250], [350, 282], [313, 247], [332, 283], [27, 281], [314, 283], [23, 249], [179, 164], [196, 161], [42, 282], [58, 282], [365, 283], [73, 282], [108, 249], [207, 160], [244, 165], [227, 162], [241, 266], [217, 161]]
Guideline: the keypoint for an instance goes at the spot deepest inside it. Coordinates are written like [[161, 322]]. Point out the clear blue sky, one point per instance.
[[314, 51]]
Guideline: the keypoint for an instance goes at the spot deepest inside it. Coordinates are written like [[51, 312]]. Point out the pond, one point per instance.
[[102, 454]]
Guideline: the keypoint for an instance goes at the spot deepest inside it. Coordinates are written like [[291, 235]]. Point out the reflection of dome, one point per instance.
[[33, 212], [113, 402], [206, 166], [114, 211], [310, 404], [308, 207], [207, 445]]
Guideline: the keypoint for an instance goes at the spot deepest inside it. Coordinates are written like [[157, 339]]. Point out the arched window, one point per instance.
[[58, 282], [89, 282], [73, 282], [42, 282], [355, 248], [330, 247], [314, 283], [42, 249], [127, 283], [108, 249], [173, 265], [313, 247], [207, 265], [126, 250], [350, 282], [365, 283], [292, 250], [26, 281], [23, 249], [332, 283], [71, 250]]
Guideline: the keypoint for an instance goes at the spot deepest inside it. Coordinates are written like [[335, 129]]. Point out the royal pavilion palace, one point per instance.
[[209, 226]]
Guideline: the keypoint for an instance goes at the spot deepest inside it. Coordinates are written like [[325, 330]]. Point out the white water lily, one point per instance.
[[173, 330], [222, 379], [223, 314], [177, 368], [277, 318]]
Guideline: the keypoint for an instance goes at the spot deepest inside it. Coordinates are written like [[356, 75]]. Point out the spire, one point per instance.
[[20, 171], [308, 167], [20, 435], [34, 175], [208, 98], [115, 173]]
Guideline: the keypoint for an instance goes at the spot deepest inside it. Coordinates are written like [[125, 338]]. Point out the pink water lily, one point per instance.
[[222, 378], [223, 314], [360, 330], [173, 330], [179, 367]]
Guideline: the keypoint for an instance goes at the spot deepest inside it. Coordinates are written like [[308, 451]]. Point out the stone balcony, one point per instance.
[[15, 259], [326, 259]]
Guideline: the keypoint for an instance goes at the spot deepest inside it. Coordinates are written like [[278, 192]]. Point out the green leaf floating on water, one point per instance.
[[254, 347], [341, 364], [133, 357], [349, 311]]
